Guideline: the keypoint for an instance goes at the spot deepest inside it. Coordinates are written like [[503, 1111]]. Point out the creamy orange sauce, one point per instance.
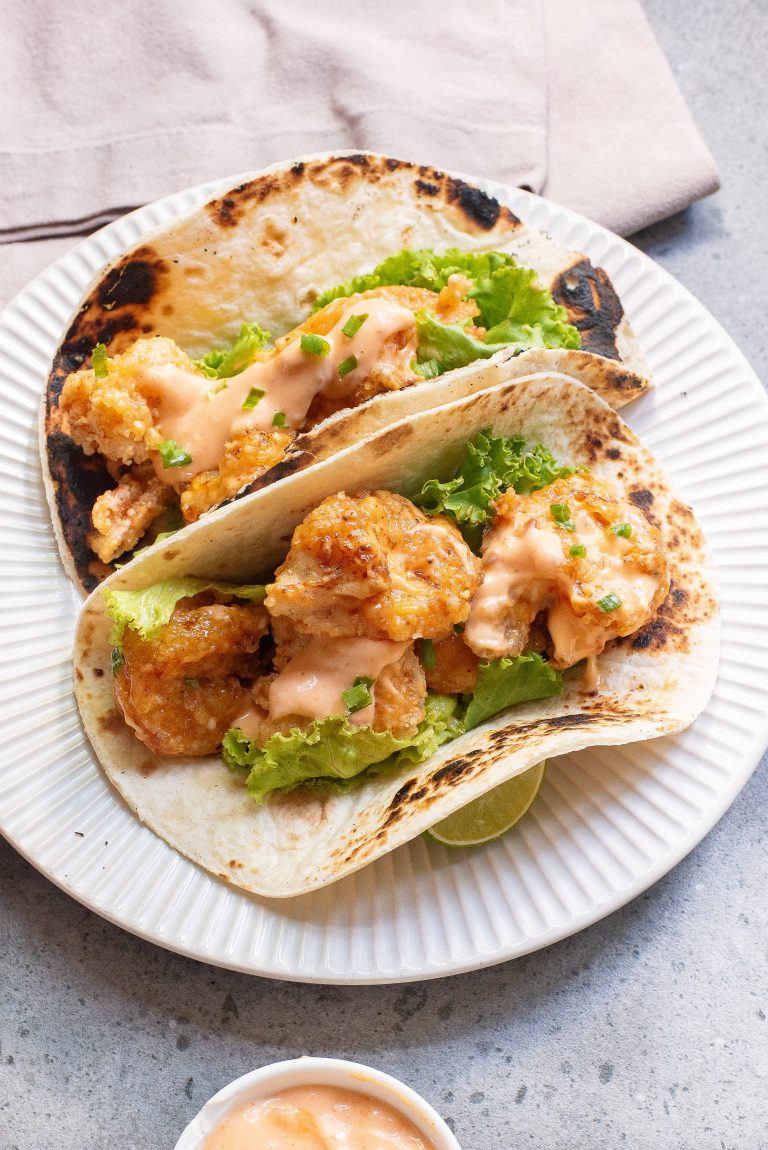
[[531, 564], [316, 1118], [312, 682], [201, 415], [511, 562]]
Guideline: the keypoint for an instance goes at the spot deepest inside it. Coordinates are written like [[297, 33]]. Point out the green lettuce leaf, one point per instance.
[[222, 363], [330, 749], [334, 755], [514, 309], [490, 467], [508, 682], [148, 611]]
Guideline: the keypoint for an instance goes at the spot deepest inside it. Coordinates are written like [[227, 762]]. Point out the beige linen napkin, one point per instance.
[[107, 106]]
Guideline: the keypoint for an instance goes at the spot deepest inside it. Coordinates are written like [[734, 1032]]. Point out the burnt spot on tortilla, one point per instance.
[[642, 498], [592, 305], [134, 282], [78, 481], [79, 675], [170, 554], [293, 462], [613, 453], [98, 672], [235, 865], [426, 188], [478, 207], [110, 722]]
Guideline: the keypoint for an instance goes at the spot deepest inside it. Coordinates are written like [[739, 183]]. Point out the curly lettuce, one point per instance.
[[149, 610], [223, 363], [491, 466], [507, 683], [332, 754], [514, 310]]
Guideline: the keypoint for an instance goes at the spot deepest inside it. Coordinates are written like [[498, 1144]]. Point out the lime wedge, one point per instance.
[[490, 815]]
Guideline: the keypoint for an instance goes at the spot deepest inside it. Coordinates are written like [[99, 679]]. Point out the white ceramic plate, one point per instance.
[[608, 822]]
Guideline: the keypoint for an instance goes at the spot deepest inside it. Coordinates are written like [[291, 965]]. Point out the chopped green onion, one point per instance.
[[99, 361], [353, 324], [358, 695], [117, 659], [314, 344], [458, 628], [347, 365], [609, 602], [172, 455], [578, 551], [193, 683], [561, 513], [278, 419], [622, 529], [252, 398], [428, 654]]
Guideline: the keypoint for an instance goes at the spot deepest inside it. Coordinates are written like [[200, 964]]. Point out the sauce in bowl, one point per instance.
[[316, 1118]]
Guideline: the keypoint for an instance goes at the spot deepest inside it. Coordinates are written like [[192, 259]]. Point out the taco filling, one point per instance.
[[190, 434], [392, 626]]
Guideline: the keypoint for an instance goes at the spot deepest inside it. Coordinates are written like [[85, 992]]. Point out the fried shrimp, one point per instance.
[[114, 414], [181, 690], [122, 514], [575, 551], [455, 669], [374, 565], [247, 456]]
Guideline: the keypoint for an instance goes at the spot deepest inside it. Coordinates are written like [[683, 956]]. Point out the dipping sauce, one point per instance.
[[316, 1118]]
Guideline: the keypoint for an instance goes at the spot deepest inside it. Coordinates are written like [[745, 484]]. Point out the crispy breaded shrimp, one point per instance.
[[374, 565], [111, 415], [247, 456], [455, 669], [554, 551], [181, 691], [122, 514]]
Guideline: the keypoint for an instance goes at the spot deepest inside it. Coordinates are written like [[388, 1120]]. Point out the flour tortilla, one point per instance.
[[653, 683], [262, 252]]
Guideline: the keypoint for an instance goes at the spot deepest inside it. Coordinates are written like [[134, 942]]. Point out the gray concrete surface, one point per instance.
[[648, 1030]]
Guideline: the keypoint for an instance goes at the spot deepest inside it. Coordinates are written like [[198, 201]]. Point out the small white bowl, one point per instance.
[[318, 1072]]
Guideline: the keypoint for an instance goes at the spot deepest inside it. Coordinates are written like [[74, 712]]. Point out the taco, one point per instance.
[[397, 630], [196, 358]]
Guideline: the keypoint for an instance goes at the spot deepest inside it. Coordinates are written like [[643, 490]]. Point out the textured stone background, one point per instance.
[[647, 1030]]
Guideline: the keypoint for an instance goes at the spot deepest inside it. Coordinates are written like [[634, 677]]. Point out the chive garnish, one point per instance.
[[428, 654], [99, 361], [358, 695], [622, 529], [117, 659], [347, 365], [609, 602], [252, 398], [278, 419], [172, 455], [578, 550], [314, 344], [353, 324], [561, 513]]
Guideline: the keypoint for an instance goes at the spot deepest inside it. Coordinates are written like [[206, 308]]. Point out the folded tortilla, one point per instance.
[[653, 683], [263, 252]]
